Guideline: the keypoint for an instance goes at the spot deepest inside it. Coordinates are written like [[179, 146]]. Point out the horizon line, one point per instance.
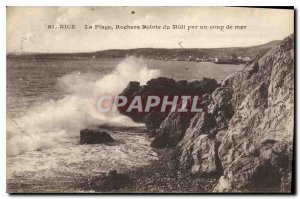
[[27, 52]]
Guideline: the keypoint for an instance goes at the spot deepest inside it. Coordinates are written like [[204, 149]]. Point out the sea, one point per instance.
[[50, 100]]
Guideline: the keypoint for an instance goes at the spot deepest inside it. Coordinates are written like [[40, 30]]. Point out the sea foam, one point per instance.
[[51, 124]]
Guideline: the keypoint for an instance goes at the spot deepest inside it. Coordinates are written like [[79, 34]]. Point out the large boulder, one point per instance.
[[171, 130], [110, 181], [153, 121], [199, 146], [94, 137], [200, 156]]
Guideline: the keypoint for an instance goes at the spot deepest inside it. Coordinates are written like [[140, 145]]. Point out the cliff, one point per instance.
[[257, 149], [245, 136]]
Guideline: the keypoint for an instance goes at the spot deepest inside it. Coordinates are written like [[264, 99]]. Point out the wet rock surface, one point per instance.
[[107, 182], [94, 137], [163, 86]]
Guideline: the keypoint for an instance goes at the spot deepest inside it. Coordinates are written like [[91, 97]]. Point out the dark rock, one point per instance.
[[182, 86], [94, 137], [153, 121], [205, 86], [163, 86], [171, 130], [131, 88], [110, 181]]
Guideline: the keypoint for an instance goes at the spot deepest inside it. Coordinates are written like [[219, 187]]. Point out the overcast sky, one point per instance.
[[27, 27]]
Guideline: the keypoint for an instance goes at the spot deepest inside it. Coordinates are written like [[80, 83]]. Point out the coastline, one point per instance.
[[164, 176], [161, 176]]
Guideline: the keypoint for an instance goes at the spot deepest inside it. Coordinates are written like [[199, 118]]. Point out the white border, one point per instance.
[[149, 3], [4, 3]]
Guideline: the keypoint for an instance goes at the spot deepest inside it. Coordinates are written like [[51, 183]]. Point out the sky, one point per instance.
[[27, 28]]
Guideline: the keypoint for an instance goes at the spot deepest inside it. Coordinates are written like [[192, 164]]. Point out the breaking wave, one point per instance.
[[51, 124]]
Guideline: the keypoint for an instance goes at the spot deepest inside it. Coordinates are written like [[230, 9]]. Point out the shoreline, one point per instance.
[[165, 176], [161, 176]]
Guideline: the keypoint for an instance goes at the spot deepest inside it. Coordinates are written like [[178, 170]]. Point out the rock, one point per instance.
[[246, 135], [153, 121], [183, 86], [200, 156], [221, 106], [199, 146], [201, 123], [131, 88], [109, 182], [257, 149], [94, 137], [171, 130], [163, 86], [223, 185], [205, 86]]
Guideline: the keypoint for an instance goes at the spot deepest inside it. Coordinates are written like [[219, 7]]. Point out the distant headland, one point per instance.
[[175, 54]]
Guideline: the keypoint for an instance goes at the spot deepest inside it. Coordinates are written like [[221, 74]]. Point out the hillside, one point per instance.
[[153, 53]]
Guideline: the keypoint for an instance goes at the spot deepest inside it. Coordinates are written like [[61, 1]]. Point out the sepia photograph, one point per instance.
[[126, 99]]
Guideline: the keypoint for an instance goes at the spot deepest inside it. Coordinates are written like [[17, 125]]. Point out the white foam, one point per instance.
[[51, 124], [129, 152]]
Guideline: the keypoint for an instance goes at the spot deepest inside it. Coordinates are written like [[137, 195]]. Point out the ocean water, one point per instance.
[[49, 101]]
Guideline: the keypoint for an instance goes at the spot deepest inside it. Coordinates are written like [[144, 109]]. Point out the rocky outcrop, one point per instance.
[[172, 130], [256, 151], [245, 137], [199, 146], [247, 134], [158, 87], [202, 138], [94, 137], [154, 118]]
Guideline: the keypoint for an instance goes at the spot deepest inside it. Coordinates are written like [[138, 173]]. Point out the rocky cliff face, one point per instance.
[[256, 150], [245, 137]]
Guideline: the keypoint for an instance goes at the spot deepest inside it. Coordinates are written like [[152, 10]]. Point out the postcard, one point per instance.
[[150, 100]]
